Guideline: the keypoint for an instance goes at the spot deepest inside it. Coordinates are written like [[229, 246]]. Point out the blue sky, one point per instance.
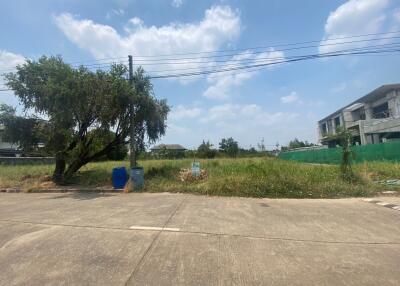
[[276, 103]]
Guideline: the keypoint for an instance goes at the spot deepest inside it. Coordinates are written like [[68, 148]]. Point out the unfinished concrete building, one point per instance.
[[373, 118]]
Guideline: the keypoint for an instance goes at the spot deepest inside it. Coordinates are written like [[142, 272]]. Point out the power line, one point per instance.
[[90, 61], [162, 61], [280, 60], [99, 64], [294, 57], [231, 63], [271, 45], [263, 59], [99, 61], [107, 65], [255, 67], [301, 58]]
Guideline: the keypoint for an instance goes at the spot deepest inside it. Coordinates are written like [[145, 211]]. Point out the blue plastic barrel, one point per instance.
[[119, 177], [137, 177]]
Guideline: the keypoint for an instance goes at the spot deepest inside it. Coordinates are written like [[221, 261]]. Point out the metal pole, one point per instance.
[[132, 128]]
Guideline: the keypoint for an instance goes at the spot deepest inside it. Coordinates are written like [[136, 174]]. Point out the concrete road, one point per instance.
[[176, 239]]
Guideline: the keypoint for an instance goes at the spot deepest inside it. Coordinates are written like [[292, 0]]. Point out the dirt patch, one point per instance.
[[185, 175]]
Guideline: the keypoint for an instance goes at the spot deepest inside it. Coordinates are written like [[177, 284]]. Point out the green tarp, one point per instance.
[[389, 151]]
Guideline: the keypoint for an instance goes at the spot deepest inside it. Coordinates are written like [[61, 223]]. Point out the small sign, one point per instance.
[[196, 169]]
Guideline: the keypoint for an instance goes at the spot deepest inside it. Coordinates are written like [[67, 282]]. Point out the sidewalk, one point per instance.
[[176, 239]]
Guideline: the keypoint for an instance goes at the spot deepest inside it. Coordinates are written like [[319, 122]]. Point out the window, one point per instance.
[[337, 122], [330, 127], [381, 111], [324, 130], [358, 114]]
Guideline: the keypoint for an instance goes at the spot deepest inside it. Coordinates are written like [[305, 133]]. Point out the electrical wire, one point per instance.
[[271, 45], [262, 59], [208, 63], [261, 52], [306, 57], [255, 67], [259, 63], [100, 61]]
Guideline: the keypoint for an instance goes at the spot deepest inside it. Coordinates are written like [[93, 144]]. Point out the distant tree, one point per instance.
[[229, 147], [205, 150], [252, 150], [26, 133], [261, 145], [296, 143], [165, 153], [83, 106]]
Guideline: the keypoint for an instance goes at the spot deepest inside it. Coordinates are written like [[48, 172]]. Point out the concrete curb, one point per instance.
[[63, 190]]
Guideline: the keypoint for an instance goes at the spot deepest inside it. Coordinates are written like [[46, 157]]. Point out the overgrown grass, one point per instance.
[[255, 177]]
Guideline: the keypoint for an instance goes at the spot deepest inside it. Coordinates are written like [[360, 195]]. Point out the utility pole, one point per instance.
[[132, 148]]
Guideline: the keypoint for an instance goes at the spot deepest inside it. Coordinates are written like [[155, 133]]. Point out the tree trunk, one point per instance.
[[73, 168], [58, 174], [62, 174]]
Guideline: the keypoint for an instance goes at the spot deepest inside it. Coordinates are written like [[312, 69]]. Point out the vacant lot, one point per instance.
[[255, 177]]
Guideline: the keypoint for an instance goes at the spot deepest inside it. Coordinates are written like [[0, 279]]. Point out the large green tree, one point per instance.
[[83, 106]]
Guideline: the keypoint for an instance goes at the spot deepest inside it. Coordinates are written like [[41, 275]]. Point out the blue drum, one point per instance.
[[119, 177]]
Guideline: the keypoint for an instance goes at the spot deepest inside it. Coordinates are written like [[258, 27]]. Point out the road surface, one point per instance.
[[179, 239]]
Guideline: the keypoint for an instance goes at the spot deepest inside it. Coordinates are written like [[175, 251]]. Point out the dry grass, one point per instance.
[[255, 177]]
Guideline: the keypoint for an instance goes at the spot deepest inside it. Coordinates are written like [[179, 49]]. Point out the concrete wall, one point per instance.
[[382, 126], [26, 160], [394, 103]]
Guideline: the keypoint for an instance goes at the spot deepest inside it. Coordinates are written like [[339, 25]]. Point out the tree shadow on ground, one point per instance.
[[82, 196]]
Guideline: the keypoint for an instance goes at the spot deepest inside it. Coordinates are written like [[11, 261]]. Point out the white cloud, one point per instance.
[[133, 25], [221, 84], [292, 97], [115, 12], [248, 114], [177, 130], [355, 17], [182, 112], [177, 3], [220, 25], [396, 15], [8, 62], [395, 25]]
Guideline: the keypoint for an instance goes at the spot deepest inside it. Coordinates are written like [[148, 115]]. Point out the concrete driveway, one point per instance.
[[176, 239]]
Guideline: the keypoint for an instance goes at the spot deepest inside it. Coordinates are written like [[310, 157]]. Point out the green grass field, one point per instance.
[[255, 177]]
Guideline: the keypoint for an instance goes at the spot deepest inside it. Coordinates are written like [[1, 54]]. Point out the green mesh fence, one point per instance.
[[389, 151]]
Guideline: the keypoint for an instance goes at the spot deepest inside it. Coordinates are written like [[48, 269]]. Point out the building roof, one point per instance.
[[168, 147], [366, 98]]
